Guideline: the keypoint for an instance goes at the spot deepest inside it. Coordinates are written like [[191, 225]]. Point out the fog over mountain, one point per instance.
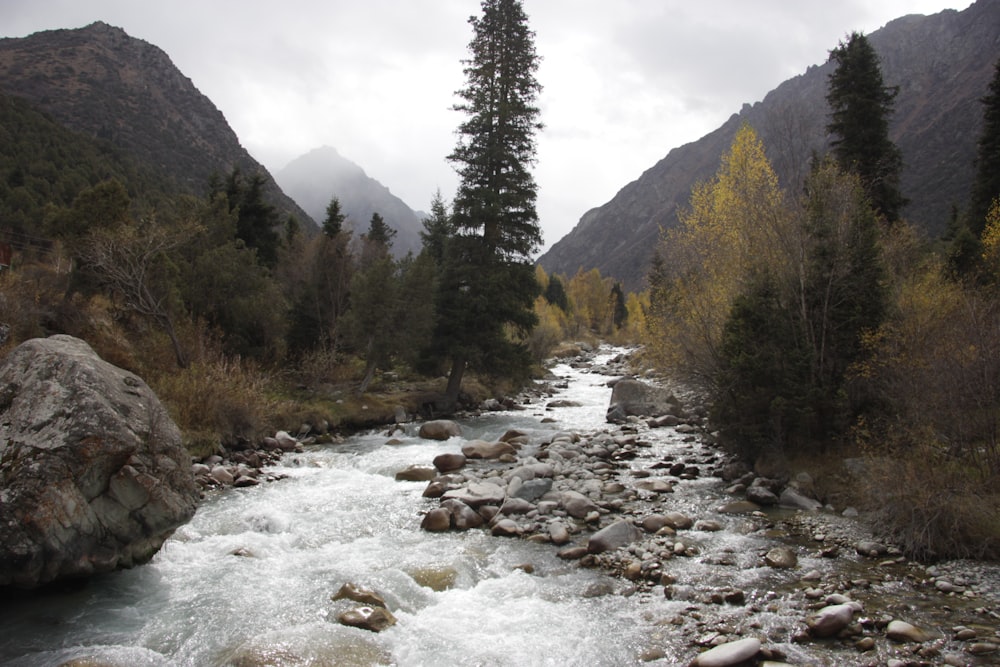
[[314, 179]]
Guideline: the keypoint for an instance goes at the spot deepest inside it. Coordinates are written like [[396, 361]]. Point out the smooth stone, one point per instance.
[[901, 631], [505, 528], [830, 620], [449, 462], [416, 473], [617, 534], [437, 520], [731, 653], [439, 429], [781, 558]]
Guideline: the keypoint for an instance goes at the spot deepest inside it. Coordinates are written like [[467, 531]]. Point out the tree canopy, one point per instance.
[[861, 106]]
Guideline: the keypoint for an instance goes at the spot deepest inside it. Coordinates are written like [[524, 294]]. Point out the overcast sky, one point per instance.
[[625, 81]]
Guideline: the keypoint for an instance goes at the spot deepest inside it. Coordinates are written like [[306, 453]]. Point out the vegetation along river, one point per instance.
[[250, 580]]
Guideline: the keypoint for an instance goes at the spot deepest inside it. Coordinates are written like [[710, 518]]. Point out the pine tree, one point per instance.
[[488, 283], [334, 222], [986, 187], [860, 106]]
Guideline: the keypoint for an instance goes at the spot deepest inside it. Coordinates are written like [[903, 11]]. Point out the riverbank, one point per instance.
[[654, 502]]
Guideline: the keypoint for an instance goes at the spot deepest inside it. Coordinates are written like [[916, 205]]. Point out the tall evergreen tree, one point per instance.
[[437, 229], [334, 222], [257, 221], [488, 282], [861, 105], [986, 187]]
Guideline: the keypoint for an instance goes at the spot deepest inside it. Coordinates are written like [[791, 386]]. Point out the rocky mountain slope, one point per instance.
[[942, 65], [313, 179], [102, 83]]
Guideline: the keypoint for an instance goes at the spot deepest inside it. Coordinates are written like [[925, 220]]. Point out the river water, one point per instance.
[[249, 580]]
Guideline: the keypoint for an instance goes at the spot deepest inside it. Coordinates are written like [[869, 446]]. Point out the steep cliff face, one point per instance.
[[942, 65], [101, 82]]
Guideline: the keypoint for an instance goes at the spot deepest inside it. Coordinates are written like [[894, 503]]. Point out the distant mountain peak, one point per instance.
[[316, 177]]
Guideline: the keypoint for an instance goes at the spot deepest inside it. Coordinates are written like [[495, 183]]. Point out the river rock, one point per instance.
[[93, 475], [449, 462], [577, 505], [634, 398], [738, 507], [617, 534], [793, 499], [761, 495], [480, 449], [516, 506], [781, 558], [477, 494], [901, 631], [416, 473], [439, 429], [558, 533], [830, 620], [437, 520], [463, 517], [375, 619], [533, 489], [729, 654], [505, 528], [365, 596]]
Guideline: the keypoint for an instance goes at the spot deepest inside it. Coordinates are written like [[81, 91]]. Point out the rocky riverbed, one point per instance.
[[655, 502]]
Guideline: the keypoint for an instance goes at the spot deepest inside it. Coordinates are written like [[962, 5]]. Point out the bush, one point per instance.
[[933, 507], [217, 401]]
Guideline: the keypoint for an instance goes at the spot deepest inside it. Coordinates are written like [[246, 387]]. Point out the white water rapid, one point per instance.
[[248, 582]]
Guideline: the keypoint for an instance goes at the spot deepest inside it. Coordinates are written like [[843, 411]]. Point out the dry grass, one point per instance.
[[932, 507]]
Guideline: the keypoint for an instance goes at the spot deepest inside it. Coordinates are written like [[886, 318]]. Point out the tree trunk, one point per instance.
[[455, 381]]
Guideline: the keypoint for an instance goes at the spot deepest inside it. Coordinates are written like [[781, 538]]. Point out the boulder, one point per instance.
[[437, 520], [617, 534], [901, 631], [93, 474], [635, 398], [761, 495], [533, 489], [477, 494], [577, 505], [793, 499], [463, 517], [728, 654], [830, 620], [439, 429], [449, 462], [781, 558], [480, 449]]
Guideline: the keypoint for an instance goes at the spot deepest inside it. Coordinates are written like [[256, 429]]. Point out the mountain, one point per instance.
[[102, 83], [315, 178], [942, 65]]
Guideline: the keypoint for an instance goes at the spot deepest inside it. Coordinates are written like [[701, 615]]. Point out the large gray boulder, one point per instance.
[[93, 475], [635, 398]]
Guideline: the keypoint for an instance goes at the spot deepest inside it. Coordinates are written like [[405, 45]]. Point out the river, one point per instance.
[[249, 580]]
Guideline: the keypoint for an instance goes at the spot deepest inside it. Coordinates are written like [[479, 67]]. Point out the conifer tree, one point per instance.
[[986, 187], [488, 283], [861, 105]]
